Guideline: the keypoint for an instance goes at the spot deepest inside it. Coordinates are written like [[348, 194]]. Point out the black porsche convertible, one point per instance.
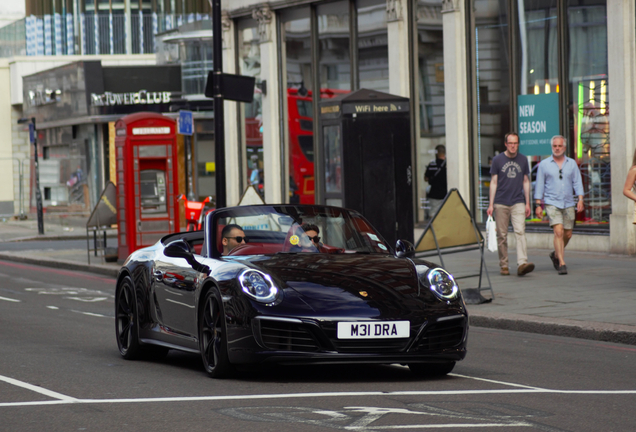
[[302, 284]]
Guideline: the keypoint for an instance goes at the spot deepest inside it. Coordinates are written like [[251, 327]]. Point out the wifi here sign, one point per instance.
[[538, 123]]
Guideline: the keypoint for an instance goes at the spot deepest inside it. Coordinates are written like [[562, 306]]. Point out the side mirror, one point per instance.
[[178, 249], [404, 249], [181, 249]]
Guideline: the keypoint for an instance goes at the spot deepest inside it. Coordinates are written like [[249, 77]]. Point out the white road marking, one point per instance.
[[439, 426], [90, 314], [10, 299], [494, 381], [87, 299], [50, 393], [52, 307], [319, 395]]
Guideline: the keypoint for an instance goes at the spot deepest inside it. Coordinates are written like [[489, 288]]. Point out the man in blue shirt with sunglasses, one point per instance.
[[558, 181]]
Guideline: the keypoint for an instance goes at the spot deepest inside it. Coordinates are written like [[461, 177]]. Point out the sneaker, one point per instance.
[[555, 260], [563, 270], [504, 271], [525, 269]]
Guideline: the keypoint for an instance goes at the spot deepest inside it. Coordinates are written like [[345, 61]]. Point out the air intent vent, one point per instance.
[[284, 336], [438, 336]]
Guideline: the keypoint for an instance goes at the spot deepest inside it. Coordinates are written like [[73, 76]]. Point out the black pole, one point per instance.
[[38, 194], [219, 130]]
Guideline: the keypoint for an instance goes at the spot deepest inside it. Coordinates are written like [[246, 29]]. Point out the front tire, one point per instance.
[[431, 369], [126, 317], [213, 337]]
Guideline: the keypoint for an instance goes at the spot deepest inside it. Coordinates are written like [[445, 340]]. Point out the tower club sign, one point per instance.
[[142, 97]]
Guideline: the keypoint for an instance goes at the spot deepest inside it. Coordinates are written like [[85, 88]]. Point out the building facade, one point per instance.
[[476, 66], [473, 70]]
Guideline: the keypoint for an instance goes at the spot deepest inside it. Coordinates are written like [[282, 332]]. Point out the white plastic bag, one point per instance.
[[491, 234]]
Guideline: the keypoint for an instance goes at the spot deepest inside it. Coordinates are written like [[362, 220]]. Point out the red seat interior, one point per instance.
[[219, 238], [256, 249]]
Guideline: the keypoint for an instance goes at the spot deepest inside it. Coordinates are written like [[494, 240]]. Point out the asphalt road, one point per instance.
[[60, 370]]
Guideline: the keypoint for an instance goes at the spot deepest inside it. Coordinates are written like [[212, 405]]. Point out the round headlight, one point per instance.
[[258, 286], [442, 284]]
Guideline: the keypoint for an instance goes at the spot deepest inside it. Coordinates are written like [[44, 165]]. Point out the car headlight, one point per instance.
[[442, 284], [258, 286]]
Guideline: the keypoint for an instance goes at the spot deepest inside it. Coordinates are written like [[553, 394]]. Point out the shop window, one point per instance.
[[252, 117], [373, 49], [493, 114], [589, 96], [296, 30], [430, 91], [333, 33]]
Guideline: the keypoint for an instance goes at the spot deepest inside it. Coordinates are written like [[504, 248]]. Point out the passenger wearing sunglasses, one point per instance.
[[558, 181], [312, 231], [232, 236]]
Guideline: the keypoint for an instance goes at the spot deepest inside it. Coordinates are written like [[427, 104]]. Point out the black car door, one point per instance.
[[174, 295]]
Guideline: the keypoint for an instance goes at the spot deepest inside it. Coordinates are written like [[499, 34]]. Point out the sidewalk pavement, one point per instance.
[[595, 300]]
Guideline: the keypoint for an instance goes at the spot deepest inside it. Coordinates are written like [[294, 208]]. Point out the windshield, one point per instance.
[[293, 229]]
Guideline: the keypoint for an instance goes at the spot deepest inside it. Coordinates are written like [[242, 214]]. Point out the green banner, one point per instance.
[[538, 123]]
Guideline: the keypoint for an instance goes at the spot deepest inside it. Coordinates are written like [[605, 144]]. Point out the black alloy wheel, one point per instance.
[[432, 369], [126, 320], [213, 337]]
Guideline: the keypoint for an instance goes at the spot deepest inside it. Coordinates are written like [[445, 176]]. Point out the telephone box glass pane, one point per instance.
[[153, 191], [333, 162]]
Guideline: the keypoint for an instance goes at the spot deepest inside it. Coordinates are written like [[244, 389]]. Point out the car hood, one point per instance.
[[356, 285]]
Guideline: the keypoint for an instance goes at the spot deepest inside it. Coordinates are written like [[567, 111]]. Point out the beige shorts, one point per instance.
[[564, 216]]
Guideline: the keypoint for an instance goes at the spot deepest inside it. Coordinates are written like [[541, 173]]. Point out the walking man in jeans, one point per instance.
[[510, 200], [558, 180]]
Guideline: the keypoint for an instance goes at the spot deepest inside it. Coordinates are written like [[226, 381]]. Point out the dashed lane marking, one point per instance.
[[10, 299], [91, 314]]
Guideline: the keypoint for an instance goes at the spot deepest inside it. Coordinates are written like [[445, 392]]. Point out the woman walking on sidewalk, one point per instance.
[[630, 182]]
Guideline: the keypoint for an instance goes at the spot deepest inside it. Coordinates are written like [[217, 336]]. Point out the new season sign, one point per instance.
[[538, 123]]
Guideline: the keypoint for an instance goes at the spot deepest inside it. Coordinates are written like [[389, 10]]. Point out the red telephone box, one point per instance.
[[147, 180]]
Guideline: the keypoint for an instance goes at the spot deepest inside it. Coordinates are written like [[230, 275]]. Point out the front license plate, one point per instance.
[[373, 330]]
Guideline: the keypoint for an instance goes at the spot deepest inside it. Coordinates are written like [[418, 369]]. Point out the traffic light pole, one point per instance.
[[38, 193]]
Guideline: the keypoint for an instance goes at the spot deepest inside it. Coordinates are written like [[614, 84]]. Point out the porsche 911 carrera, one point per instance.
[[289, 284]]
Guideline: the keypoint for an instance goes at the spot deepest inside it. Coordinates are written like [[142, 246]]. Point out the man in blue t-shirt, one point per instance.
[[510, 200]]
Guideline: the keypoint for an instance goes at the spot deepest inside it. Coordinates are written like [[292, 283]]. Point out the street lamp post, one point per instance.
[[38, 195]]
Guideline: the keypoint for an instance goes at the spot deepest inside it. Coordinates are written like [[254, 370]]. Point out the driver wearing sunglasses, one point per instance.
[[232, 236]]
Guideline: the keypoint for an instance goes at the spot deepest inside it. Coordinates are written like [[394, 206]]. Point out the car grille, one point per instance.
[[442, 335], [284, 336]]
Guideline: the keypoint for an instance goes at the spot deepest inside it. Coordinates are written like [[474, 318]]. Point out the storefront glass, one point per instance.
[[69, 172], [538, 71], [296, 37], [333, 33], [250, 65], [373, 50], [430, 88], [493, 91], [589, 99]]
